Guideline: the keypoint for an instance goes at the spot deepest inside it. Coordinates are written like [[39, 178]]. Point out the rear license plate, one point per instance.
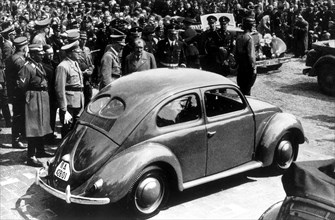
[[63, 171]]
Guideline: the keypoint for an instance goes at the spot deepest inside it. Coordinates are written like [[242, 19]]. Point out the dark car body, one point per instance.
[[181, 126], [310, 192]]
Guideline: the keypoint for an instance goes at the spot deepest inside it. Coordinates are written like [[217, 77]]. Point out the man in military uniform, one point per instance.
[[69, 87], [245, 57], [110, 69], [7, 50], [210, 46], [171, 51], [86, 66], [134, 32], [225, 45], [33, 82], [13, 66], [42, 28]]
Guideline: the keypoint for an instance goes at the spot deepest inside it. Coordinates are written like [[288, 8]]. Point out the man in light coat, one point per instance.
[[69, 87], [110, 68]]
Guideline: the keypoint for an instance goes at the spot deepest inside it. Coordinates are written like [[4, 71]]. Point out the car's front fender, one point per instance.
[[121, 172], [278, 125]]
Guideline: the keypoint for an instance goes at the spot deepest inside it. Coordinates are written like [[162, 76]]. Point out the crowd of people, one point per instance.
[[52, 53]]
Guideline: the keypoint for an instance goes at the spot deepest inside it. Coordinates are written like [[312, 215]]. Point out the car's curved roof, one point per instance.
[[163, 79], [141, 91]]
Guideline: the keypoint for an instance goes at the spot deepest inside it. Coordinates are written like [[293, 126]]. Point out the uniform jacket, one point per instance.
[[6, 52], [13, 66], [146, 61], [37, 111], [110, 65], [171, 54], [68, 74]]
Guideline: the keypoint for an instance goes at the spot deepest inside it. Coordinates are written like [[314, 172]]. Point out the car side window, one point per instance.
[[223, 100], [180, 110]]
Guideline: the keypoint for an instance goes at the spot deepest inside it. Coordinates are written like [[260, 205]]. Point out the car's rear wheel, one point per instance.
[[286, 152], [150, 192]]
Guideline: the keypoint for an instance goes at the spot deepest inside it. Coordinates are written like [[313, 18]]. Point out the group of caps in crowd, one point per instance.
[[54, 52]]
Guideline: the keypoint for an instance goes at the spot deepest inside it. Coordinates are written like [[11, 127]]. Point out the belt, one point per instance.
[[38, 89], [73, 89], [116, 76], [170, 64]]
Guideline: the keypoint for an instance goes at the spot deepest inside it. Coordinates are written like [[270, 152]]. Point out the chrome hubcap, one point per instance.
[[149, 195], [285, 154]]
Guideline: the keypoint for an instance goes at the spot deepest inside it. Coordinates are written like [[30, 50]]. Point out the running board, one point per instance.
[[240, 169]]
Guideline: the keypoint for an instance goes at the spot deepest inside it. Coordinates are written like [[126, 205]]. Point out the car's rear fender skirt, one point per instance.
[[121, 172], [278, 125]]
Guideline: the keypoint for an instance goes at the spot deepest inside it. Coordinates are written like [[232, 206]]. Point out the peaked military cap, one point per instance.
[[36, 48], [71, 46], [43, 23], [172, 28], [8, 30], [136, 30], [20, 41], [73, 35], [224, 19], [211, 19]]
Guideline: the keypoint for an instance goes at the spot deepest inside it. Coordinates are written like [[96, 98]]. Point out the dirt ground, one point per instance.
[[300, 95]]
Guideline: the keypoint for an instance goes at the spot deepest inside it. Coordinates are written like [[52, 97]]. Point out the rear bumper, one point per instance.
[[67, 194]]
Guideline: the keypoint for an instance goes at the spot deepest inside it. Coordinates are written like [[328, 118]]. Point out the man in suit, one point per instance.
[[110, 69], [69, 87], [139, 59], [32, 80], [171, 51]]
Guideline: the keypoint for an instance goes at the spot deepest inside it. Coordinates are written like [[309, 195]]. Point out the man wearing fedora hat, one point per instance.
[[245, 57], [110, 68], [32, 80], [69, 87], [13, 66]]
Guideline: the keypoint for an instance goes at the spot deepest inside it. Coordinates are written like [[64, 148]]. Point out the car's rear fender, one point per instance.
[[121, 172], [277, 126]]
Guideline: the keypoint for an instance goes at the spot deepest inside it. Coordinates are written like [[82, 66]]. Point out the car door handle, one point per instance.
[[210, 134]]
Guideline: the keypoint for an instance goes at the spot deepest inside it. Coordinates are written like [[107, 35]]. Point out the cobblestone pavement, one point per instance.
[[243, 196]]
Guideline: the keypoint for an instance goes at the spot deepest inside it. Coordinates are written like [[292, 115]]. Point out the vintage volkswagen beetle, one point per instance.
[[152, 131]]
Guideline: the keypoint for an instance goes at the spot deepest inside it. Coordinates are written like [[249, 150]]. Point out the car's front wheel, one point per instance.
[[149, 193], [286, 152]]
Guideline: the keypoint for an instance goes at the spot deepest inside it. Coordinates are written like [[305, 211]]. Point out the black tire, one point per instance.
[[146, 206], [324, 69], [286, 152]]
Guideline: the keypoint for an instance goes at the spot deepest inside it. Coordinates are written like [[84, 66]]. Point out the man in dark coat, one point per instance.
[[245, 57], [171, 51], [13, 66], [300, 34], [33, 81], [49, 66]]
